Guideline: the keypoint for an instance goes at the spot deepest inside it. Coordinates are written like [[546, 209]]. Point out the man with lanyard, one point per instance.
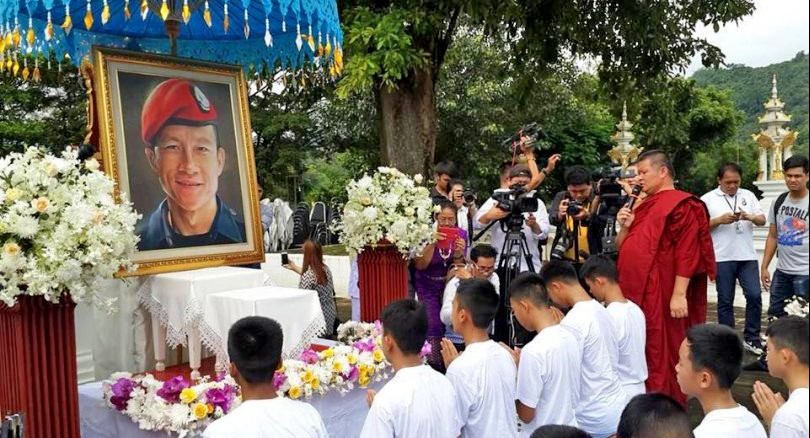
[[734, 212]]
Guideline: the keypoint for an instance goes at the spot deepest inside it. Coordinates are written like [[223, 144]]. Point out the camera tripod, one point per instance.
[[513, 252]]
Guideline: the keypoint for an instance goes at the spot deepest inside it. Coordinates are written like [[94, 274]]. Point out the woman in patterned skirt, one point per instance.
[[430, 275], [316, 275]]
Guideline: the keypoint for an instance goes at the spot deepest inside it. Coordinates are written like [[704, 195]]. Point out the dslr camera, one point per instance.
[[516, 200], [536, 138]]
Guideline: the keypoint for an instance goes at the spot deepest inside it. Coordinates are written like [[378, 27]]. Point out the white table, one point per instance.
[[298, 311], [343, 415], [176, 302]]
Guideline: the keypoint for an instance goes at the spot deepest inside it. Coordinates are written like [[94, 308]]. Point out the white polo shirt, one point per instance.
[[733, 242]]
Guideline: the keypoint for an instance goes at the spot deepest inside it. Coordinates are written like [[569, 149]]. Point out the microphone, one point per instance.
[[633, 197]]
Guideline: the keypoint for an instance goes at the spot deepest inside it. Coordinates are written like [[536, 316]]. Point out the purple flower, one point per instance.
[[122, 392], [279, 379], [221, 398], [366, 345], [427, 349], [377, 326], [170, 391], [309, 356], [352, 375]]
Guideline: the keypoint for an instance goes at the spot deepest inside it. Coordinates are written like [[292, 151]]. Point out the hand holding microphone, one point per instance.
[[625, 216]]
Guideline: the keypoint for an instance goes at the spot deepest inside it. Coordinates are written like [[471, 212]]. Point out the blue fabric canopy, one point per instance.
[[250, 33]]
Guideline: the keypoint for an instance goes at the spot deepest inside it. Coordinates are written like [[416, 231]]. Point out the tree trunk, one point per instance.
[[407, 118]]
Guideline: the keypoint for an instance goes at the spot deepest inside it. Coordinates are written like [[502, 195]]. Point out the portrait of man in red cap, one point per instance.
[[179, 130]]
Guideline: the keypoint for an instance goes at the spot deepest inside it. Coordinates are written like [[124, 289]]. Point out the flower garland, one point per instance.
[[171, 406], [61, 229], [390, 206], [177, 406]]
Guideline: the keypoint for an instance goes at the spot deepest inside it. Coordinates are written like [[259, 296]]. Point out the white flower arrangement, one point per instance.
[[61, 230], [388, 205], [352, 331], [174, 405]]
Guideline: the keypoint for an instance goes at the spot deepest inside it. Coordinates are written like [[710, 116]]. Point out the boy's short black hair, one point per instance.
[[717, 349], [254, 347], [577, 175], [796, 161], [446, 167], [483, 250], [478, 296], [599, 265], [792, 333], [530, 286], [406, 322], [559, 270], [558, 431], [654, 416]]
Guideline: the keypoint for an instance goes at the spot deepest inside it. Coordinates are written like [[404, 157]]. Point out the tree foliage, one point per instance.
[[51, 113]]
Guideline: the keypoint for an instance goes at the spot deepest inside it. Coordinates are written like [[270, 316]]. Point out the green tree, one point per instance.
[[687, 122], [51, 113], [396, 49]]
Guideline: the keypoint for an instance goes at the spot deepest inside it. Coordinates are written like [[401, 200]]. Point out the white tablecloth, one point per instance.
[[298, 311], [177, 299], [343, 414]]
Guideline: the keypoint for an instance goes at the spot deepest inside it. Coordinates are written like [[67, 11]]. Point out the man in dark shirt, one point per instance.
[[443, 174]]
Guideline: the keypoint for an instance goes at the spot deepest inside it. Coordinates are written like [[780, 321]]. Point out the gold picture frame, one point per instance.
[[167, 178]]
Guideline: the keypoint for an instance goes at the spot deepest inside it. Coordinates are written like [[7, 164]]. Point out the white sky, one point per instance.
[[776, 31]]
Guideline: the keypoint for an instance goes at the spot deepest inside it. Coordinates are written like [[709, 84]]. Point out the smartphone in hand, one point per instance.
[[285, 259]]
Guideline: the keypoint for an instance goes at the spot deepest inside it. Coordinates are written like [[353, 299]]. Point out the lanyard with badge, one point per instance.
[[737, 227]]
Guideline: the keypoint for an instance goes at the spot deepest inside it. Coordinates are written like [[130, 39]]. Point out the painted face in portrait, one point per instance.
[[188, 163]]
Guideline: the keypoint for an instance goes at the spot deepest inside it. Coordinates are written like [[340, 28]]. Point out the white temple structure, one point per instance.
[[624, 152]]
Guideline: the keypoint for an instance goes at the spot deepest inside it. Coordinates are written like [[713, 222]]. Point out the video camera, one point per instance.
[[609, 190], [536, 138], [516, 200]]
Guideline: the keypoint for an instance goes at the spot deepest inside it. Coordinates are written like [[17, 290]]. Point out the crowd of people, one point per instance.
[[613, 327]]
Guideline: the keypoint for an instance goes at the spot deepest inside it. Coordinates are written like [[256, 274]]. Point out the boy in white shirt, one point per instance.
[[417, 402], [709, 361], [484, 374], [254, 347], [627, 319], [602, 396], [787, 360], [548, 377]]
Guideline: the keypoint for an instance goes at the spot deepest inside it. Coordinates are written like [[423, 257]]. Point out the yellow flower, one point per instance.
[[328, 353], [11, 249], [337, 367], [352, 358], [378, 355], [188, 395], [40, 204], [364, 380], [282, 369], [295, 392], [210, 408], [200, 410], [307, 376], [13, 194], [315, 383], [366, 201]]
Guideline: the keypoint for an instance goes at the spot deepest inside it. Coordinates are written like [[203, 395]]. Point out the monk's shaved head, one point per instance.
[[657, 159]]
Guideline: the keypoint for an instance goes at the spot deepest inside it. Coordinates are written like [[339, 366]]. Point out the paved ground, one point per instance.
[[742, 388]]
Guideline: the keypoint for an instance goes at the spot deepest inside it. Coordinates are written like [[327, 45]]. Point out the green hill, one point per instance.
[[751, 87]]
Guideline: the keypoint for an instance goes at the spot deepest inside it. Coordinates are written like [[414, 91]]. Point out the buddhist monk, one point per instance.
[[665, 257]]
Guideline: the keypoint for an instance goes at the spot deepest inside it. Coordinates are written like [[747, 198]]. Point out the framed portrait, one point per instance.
[[175, 136]]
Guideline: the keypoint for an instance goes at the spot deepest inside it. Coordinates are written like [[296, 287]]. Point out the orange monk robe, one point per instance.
[[669, 237]]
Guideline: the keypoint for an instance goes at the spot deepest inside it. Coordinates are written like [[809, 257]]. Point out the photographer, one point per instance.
[[465, 202], [535, 224], [571, 213]]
